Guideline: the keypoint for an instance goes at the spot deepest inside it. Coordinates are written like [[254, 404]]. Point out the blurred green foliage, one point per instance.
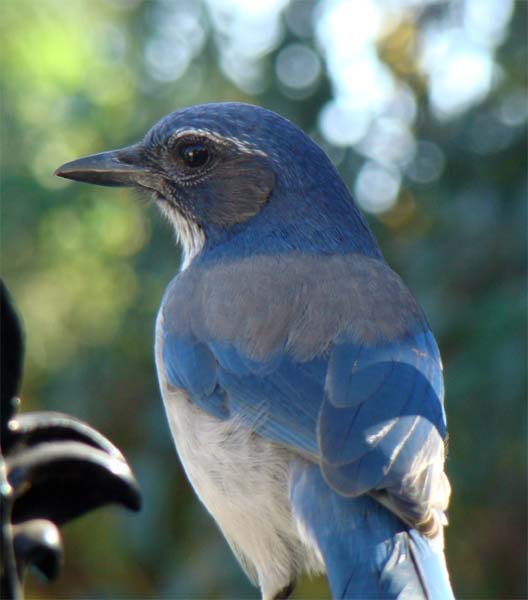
[[87, 266]]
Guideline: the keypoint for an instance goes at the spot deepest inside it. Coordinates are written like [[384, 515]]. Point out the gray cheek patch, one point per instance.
[[235, 191]]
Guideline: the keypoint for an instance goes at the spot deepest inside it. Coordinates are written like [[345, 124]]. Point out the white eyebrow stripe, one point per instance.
[[242, 145]]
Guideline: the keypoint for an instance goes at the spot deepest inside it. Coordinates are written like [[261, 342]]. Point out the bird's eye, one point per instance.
[[194, 155]]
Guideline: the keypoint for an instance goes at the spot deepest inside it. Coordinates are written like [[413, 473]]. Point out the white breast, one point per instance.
[[243, 480]]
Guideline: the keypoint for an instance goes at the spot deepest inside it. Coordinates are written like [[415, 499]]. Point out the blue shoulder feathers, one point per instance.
[[351, 377]]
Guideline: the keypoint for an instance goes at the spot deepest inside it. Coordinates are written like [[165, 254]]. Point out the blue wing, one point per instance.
[[350, 376], [382, 423], [278, 398], [364, 412]]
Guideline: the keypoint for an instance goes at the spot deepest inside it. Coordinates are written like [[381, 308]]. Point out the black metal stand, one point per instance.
[[53, 468]]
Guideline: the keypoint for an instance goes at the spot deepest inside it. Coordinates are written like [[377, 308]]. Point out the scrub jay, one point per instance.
[[301, 381]]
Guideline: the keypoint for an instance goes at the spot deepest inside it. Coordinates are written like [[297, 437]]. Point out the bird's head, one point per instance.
[[213, 168]]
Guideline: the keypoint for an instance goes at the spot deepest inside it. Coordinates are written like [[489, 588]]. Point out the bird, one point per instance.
[[301, 381]]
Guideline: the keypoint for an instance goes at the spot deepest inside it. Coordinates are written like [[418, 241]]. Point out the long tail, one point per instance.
[[368, 551]]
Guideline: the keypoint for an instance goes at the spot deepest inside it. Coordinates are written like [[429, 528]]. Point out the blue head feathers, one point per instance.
[[230, 169]]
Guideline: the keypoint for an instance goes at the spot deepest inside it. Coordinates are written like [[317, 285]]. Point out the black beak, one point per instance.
[[115, 168]]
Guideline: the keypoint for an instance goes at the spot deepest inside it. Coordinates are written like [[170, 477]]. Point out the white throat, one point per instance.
[[189, 234]]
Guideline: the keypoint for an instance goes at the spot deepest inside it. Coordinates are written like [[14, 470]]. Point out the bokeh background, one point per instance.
[[422, 107]]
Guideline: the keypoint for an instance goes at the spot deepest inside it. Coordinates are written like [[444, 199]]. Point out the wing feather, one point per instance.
[[368, 409]]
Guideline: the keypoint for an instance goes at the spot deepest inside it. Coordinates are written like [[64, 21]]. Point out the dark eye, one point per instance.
[[194, 155]]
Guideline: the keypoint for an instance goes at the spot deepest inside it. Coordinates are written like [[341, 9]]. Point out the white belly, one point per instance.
[[243, 480]]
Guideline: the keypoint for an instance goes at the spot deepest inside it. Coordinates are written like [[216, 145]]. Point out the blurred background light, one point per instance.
[[389, 142], [513, 109], [376, 187], [346, 29], [298, 69], [402, 105], [179, 35], [299, 15], [342, 126], [486, 21], [252, 28], [461, 74], [427, 164]]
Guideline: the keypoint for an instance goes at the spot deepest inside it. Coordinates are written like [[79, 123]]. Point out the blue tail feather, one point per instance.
[[430, 562], [368, 551]]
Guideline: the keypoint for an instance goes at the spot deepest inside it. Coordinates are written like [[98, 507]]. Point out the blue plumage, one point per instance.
[[369, 552], [301, 380]]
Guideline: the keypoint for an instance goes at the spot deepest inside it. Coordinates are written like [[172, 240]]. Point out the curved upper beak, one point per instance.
[[114, 168]]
